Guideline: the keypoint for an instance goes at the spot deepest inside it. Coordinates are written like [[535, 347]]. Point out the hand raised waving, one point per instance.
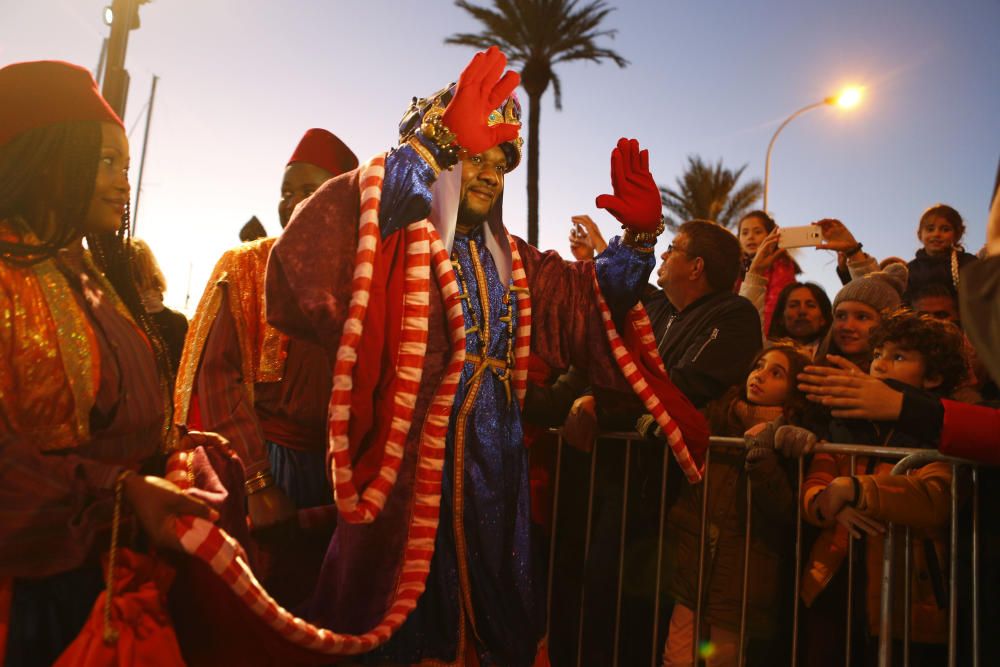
[[636, 200], [480, 90]]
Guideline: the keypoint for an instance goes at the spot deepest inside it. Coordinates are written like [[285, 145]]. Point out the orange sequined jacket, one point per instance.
[[49, 357], [263, 348]]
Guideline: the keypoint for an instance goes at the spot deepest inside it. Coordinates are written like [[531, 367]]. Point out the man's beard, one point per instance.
[[469, 219]]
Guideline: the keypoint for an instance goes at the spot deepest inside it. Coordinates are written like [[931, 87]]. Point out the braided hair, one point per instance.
[[47, 179]]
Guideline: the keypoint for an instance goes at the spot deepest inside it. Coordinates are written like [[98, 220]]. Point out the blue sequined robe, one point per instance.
[[481, 594]]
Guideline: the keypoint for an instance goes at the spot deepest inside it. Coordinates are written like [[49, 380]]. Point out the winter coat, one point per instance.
[[771, 544], [708, 346], [781, 273], [920, 499], [927, 269]]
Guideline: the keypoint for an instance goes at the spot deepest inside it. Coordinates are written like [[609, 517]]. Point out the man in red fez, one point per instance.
[[265, 393]]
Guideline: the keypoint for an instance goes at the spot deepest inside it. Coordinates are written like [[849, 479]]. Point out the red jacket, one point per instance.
[[970, 432]]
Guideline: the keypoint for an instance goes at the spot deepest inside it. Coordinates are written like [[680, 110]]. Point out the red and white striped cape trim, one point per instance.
[[638, 318], [424, 249]]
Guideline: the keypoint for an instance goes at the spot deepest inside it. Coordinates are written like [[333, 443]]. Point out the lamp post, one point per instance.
[[848, 98], [122, 16]]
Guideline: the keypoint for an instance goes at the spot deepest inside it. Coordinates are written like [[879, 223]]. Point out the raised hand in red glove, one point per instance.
[[480, 90], [636, 201]]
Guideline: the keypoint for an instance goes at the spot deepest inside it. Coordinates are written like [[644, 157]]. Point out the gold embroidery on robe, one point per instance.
[[49, 357], [263, 349]]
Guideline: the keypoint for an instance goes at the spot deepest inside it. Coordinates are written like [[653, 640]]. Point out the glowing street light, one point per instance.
[[848, 98]]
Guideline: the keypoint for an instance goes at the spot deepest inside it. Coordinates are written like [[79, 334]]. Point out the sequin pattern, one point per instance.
[[482, 558]]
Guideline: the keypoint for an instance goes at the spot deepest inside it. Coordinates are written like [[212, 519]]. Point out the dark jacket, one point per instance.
[[927, 269], [979, 301], [173, 328], [772, 533], [708, 346]]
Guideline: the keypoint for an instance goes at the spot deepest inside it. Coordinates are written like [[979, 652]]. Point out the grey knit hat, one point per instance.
[[880, 289]]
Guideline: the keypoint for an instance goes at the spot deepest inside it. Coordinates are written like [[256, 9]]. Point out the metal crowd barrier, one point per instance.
[[907, 459]]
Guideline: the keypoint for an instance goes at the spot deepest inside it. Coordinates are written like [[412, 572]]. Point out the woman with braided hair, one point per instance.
[[84, 377]]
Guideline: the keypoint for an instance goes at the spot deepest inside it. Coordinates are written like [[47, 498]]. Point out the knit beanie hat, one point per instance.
[[879, 290]]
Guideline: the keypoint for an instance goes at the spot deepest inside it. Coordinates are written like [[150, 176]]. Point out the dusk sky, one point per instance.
[[241, 80]]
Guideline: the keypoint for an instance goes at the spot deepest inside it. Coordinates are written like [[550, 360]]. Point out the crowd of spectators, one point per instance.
[[900, 356]]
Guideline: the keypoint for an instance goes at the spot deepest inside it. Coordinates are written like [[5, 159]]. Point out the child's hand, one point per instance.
[[850, 392], [836, 496], [767, 253], [794, 441], [857, 522]]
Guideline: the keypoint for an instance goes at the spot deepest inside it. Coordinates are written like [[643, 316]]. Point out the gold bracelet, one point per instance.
[[433, 128], [258, 482], [642, 241]]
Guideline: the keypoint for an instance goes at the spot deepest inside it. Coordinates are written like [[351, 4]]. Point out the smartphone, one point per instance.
[[799, 237]]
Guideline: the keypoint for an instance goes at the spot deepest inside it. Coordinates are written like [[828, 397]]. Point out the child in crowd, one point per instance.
[[939, 261], [926, 354], [765, 266], [938, 300], [769, 393], [857, 309]]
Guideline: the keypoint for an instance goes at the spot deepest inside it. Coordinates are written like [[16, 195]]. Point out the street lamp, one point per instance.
[[847, 98]]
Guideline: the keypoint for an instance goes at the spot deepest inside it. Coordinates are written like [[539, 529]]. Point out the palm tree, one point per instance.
[[709, 192], [537, 35]]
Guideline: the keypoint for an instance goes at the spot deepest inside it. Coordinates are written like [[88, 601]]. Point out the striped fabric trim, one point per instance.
[[224, 556], [352, 507], [638, 319], [522, 336]]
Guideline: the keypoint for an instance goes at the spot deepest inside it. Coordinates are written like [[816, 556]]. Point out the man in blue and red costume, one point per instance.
[[404, 271]]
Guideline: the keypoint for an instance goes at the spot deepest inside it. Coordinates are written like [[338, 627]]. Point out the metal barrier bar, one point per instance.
[[916, 460], [953, 574], [907, 585], [744, 594], [621, 553], [552, 537], [885, 611], [696, 635], [908, 458], [850, 583], [659, 558], [586, 553], [798, 562], [975, 567]]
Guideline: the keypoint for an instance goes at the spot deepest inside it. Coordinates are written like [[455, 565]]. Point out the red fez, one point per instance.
[[325, 150], [46, 92]]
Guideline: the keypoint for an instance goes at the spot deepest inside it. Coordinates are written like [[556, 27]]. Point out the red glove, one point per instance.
[[636, 202], [480, 90]]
